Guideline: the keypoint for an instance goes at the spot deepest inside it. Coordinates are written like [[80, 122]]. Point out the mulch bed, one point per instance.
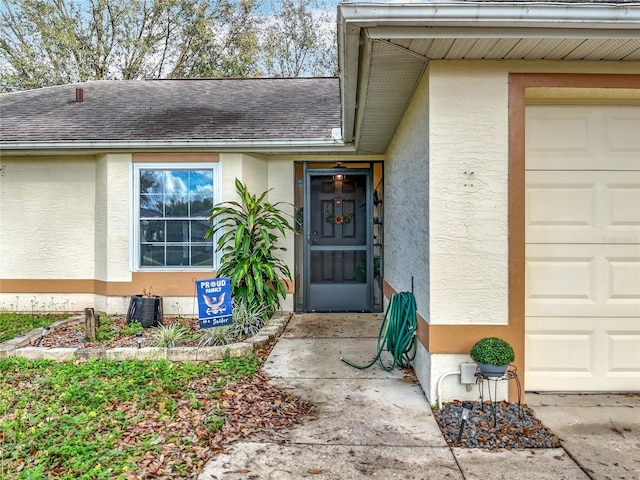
[[516, 427], [73, 335]]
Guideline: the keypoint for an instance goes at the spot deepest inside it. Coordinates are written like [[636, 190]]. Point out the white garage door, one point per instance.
[[582, 283]]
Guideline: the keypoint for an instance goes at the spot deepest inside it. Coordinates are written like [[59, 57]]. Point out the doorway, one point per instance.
[[338, 240]]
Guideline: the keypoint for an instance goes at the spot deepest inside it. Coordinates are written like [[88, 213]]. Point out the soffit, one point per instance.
[[395, 44]]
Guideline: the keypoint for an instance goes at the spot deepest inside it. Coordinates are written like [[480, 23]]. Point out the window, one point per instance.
[[172, 205]]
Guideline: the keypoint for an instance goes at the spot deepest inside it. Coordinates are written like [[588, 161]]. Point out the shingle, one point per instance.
[[162, 110]]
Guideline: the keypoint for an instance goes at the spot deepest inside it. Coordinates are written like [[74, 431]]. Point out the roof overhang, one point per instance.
[[262, 147], [384, 48]]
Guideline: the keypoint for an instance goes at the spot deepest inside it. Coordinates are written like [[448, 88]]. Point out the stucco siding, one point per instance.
[[113, 218], [406, 202], [47, 215], [468, 174], [281, 184]]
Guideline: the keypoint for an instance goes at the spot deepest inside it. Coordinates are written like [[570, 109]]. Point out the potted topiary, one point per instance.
[[492, 355]]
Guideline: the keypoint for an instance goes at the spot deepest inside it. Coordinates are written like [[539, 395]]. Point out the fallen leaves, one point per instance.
[[173, 432]]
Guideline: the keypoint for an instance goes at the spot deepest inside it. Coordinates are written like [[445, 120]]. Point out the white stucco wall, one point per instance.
[[47, 209], [467, 151], [406, 202]]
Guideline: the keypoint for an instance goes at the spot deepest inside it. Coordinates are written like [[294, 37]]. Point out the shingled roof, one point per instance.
[[173, 110]]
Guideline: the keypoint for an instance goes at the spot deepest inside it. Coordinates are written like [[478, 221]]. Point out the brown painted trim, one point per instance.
[[518, 84], [11, 285], [168, 284], [519, 81], [174, 157]]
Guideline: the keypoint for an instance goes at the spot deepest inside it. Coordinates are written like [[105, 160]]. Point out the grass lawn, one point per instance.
[[124, 420], [15, 324]]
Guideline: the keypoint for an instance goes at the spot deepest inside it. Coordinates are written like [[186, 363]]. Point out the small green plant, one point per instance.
[[216, 421], [169, 335], [493, 351], [249, 233], [217, 336], [134, 327], [248, 318]]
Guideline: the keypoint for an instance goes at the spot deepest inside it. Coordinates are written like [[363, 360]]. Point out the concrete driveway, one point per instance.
[[377, 424]]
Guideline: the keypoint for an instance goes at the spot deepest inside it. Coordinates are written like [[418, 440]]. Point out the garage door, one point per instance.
[[582, 204]]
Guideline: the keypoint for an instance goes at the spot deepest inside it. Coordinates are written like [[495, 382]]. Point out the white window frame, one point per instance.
[[135, 216]]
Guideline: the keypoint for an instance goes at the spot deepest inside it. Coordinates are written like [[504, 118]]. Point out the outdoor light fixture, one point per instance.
[[139, 339], [44, 331], [339, 177], [466, 410]]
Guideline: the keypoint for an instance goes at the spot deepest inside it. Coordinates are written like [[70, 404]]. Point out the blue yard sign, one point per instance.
[[214, 302]]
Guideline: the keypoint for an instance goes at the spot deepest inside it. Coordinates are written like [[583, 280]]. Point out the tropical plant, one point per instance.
[[492, 351], [249, 233]]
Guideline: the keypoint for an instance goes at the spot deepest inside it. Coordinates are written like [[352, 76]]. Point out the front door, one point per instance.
[[338, 246]]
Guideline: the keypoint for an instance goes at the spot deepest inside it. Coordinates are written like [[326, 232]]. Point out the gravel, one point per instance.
[[516, 427]]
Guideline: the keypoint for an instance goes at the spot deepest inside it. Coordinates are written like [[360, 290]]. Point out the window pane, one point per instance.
[[177, 231], [200, 208], [152, 230], [178, 255], [151, 181], [200, 192], [151, 205], [202, 255], [151, 255], [198, 230]]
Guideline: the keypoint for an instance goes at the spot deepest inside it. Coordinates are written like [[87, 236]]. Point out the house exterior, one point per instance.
[[484, 155]]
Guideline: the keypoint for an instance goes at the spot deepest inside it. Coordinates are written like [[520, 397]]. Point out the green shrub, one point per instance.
[[492, 350]]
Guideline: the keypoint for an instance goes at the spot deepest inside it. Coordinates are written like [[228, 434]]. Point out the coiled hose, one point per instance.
[[396, 333]]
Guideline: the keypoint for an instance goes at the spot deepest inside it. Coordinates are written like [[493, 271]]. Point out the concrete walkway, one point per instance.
[[375, 424]]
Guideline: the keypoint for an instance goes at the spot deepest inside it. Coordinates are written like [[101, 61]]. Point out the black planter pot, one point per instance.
[[146, 310]]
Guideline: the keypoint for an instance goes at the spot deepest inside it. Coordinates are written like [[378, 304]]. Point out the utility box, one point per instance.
[[468, 373]]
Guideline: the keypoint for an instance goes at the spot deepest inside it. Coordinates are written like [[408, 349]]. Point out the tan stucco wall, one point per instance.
[[47, 213], [65, 229], [468, 167], [467, 159], [113, 212]]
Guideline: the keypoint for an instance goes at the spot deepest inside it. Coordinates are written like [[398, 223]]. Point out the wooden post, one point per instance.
[[90, 325]]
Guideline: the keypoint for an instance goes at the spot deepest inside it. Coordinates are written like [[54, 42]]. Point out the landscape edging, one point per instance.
[[19, 347]]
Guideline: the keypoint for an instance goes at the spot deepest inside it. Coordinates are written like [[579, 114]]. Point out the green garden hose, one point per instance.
[[396, 333]]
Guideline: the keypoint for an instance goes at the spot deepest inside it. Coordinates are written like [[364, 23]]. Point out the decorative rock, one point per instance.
[[516, 427]]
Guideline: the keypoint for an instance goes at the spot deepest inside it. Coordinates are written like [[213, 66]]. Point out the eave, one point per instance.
[[384, 48]]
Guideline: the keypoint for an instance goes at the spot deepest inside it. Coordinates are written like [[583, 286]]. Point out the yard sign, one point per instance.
[[214, 302]]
